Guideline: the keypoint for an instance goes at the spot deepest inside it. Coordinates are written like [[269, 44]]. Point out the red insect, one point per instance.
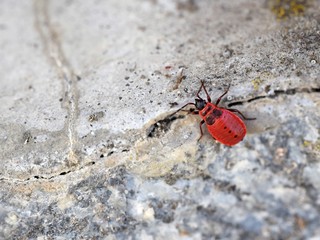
[[222, 123]]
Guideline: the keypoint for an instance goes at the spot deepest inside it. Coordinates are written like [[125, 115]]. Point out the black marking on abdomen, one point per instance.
[[210, 119], [217, 113], [206, 111]]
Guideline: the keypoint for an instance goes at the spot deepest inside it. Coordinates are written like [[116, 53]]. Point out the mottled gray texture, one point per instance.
[[88, 149]]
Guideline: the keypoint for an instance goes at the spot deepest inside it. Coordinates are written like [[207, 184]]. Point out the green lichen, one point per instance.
[[260, 79], [256, 83], [288, 8], [314, 146]]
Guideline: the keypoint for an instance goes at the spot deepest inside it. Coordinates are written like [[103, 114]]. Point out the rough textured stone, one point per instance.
[[89, 150]]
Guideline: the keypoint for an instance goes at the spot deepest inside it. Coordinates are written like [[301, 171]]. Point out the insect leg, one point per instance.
[[195, 112], [219, 99], [202, 122], [181, 108], [240, 113], [190, 111]]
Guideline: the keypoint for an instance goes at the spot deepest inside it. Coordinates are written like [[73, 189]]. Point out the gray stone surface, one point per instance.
[[87, 147]]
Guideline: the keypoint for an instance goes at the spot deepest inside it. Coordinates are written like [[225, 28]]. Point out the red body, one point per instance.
[[223, 125]]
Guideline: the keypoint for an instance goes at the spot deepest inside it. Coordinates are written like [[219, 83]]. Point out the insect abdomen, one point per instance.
[[228, 129]]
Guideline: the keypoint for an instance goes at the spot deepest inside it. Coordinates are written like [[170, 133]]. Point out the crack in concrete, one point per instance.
[[42, 177], [54, 52], [163, 125], [290, 91], [168, 121]]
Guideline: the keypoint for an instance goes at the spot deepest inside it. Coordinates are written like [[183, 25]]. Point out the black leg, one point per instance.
[[219, 99], [192, 111], [240, 113], [202, 122], [195, 112], [181, 108]]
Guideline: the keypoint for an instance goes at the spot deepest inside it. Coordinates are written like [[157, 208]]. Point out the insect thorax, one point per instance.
[[200, 103]]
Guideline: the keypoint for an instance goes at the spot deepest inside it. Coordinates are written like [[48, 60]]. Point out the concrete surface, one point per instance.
[[88, 149]]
